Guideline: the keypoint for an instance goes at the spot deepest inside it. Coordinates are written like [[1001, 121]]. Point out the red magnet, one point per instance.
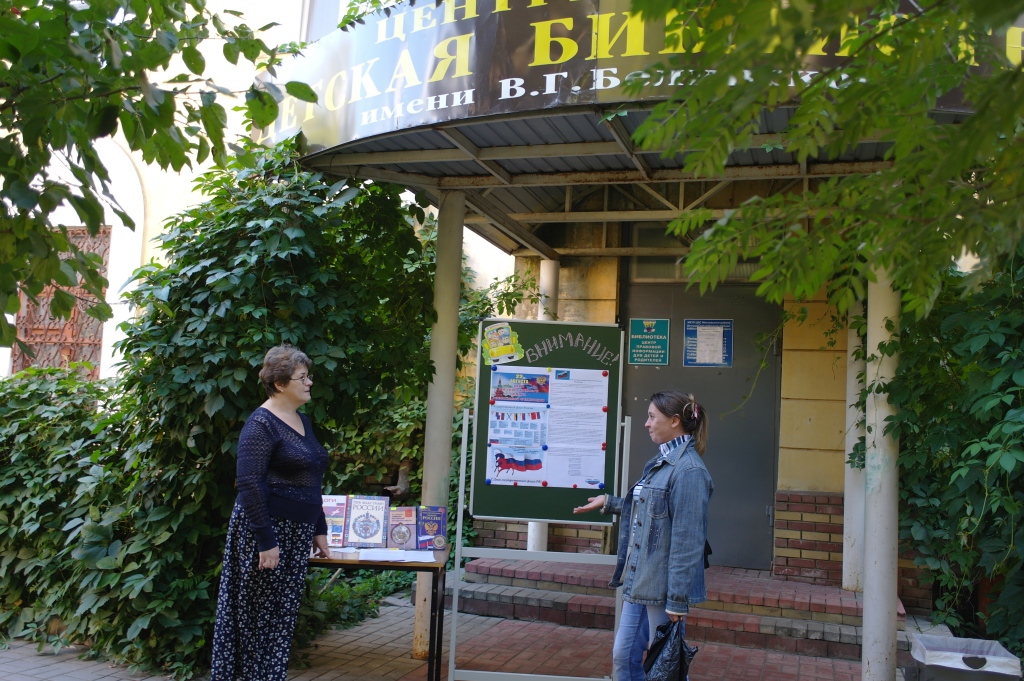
[[604, 409], [492, 401], [604, 446], [574, 486], [515, 484], [604, 373], [544, 483]]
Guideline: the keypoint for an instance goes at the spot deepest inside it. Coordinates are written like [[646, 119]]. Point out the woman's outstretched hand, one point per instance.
[[593, 504]]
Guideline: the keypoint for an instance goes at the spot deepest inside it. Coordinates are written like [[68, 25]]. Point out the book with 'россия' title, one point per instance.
[[367, 522]]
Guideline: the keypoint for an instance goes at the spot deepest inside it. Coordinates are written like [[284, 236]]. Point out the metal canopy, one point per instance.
[[523, 170]]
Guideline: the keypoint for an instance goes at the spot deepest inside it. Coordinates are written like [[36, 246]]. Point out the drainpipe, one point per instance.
[[853, 484], [547, 309], [878, 655], [444, 349]]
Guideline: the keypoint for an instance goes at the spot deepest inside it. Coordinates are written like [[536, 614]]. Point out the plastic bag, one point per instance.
[[669, 658]]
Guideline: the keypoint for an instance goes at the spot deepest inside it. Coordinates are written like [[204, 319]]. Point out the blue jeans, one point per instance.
[[637, 624]]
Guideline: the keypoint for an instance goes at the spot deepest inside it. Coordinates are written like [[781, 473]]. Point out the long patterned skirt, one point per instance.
[[257, 609]]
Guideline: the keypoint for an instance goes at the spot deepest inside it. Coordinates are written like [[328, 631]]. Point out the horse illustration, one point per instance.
[[503, 464], [508, 463]]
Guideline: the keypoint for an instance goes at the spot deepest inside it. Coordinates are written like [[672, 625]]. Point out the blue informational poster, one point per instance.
[[648, 341], [707, 342]]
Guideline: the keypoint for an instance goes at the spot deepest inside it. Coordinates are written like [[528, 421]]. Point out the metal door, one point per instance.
[[743, 405]]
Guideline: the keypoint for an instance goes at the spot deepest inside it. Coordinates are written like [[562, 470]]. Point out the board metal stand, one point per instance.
[[455, 674]]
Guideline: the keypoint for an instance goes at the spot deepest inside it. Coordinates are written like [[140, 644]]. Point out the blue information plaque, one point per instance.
[[707, 342]]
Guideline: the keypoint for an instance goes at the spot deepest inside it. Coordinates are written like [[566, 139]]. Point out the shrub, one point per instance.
[[959, 394], [55, 524]]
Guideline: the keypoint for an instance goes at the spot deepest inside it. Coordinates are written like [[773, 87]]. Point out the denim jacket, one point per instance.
[[666, 565]]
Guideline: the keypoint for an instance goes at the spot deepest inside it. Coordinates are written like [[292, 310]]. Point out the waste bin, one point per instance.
[[947, 658]]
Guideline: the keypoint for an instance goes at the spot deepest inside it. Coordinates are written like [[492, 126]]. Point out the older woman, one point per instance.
[[663, 530], [278, 517]]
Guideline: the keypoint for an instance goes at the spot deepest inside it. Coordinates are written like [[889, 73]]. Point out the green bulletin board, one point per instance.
[[547, 410]]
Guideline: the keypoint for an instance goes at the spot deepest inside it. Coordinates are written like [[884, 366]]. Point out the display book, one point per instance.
[[364, 522]]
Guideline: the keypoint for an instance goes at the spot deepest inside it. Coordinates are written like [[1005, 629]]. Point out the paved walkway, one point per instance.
[[378, 650]]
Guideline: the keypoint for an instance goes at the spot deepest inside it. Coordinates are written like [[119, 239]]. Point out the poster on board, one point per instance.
[[546, 427]]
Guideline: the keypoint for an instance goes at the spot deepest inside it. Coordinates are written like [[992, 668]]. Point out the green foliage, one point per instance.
[[55, 547], [379, 438], [73, 72], [356, 11], [468, 531], [57, 562], [116, 498], [274, 255], [951, 186], [959, 398]]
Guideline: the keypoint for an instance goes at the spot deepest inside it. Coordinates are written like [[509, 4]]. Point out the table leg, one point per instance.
[[433, 657], [440, 621]]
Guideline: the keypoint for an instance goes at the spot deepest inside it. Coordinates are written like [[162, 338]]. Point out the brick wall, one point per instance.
[[499, 534], [561, 538], [809, 537], [809, 548], [575, 538], [914, 585]]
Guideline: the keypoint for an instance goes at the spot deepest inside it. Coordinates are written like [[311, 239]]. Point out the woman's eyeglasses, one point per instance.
[[304, 377]]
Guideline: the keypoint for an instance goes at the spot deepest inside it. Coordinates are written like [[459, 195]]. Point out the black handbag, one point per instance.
[[668, 658]]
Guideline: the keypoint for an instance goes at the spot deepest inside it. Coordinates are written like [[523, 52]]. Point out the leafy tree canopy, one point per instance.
[[952, 186], [73, 72]]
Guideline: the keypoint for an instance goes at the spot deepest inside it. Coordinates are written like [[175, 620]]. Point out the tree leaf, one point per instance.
[[22, 195], [194, 60], [261, 107], [300, 91], [214, 404], [137, 626]]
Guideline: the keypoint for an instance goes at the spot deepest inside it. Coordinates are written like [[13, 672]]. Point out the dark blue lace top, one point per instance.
[[280, 475]]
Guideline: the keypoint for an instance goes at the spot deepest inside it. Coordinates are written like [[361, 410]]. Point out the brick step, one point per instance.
[[575, 578], [787, 635], [538, 605], [752, 592], [722, 662], [756, 592], [782, 634]]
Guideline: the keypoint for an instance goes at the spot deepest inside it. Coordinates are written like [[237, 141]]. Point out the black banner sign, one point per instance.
[[427, 64]]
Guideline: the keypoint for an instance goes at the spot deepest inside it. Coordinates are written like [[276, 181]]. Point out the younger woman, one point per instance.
[[663, 530]]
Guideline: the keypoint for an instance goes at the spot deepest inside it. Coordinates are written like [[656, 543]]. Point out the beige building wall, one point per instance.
[[813, 412]]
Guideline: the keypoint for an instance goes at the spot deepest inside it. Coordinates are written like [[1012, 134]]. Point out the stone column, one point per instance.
[[547, 308], [444, 350], [853, 484], [878, 656]]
